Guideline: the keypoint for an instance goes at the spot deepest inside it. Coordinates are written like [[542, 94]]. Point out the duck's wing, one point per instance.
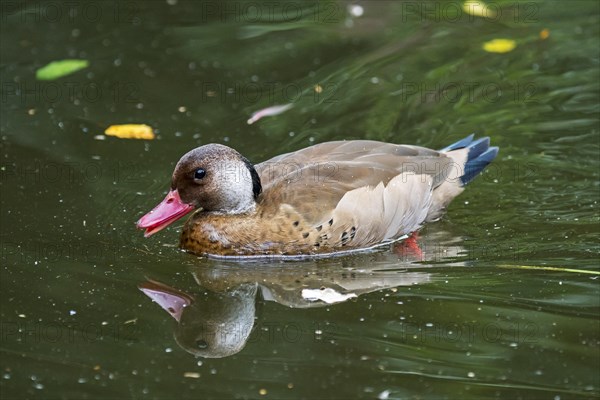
[[353, 163], [353, 192]]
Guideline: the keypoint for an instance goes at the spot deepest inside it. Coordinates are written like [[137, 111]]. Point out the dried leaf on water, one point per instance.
[[130, 131], [499, 45]]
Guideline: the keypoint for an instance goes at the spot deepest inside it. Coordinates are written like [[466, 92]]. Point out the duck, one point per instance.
[[330, 198]]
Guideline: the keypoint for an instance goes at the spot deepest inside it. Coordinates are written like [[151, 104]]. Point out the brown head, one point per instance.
[[214, 178]]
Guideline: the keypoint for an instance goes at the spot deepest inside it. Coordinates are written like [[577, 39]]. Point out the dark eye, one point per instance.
[[199, 174]]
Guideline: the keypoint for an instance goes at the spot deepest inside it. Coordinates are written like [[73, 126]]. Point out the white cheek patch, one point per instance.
[[234, 183]]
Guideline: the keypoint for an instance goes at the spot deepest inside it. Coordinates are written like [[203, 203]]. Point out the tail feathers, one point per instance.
[[479, 155], [471, 157], [474, 166], [461, 144]]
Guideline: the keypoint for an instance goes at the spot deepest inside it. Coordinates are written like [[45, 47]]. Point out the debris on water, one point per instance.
[[130, 131], [478, 8], [57, 69], [268, 112], [356, 10], [499, 45], [384, 395], [544, 33], [194, 375]]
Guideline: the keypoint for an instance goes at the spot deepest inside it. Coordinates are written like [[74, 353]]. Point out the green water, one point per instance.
[[505, 303]]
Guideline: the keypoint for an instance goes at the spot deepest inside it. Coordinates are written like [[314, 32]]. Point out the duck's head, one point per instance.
[[213, 178]]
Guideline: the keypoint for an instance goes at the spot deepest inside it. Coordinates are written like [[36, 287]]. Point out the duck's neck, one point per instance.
[[241, 208]]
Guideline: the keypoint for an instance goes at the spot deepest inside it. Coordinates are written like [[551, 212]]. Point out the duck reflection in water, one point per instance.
[[215, 318]]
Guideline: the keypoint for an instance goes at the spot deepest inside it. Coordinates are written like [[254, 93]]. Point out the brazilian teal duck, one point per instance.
[[325, 199]]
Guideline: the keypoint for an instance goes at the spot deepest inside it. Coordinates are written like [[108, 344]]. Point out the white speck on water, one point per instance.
[[466, 203], [72, 312], [471, 374], [168, 350], [199, 363], [104, 323], [356, 10], [384, 395], [82, 380], [38, 386], [6, 376], [100, 137], [513, 345], [318, 332], [22, 316], [213, 371], [429, 324], [375, 80]]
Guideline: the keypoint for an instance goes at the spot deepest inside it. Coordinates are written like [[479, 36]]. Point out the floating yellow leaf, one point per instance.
[[478, 9], [130, 131], [499, 45], [544, 34]]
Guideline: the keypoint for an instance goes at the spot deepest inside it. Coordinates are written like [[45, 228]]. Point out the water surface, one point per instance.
[[503, 304]]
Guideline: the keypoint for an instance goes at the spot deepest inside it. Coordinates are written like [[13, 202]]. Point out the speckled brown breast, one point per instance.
[[284, 232]]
